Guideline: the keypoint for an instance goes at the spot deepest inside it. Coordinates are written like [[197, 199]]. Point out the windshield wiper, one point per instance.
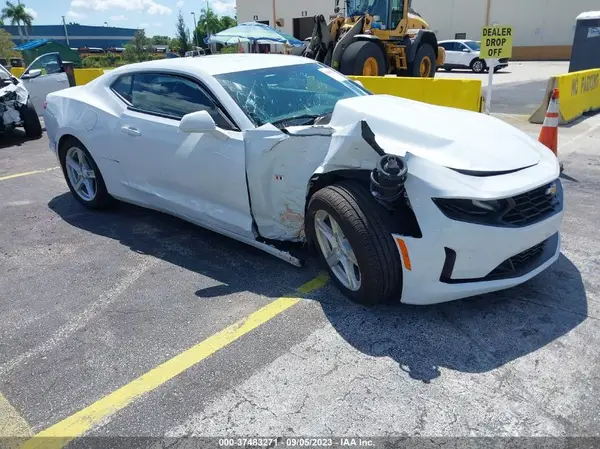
[[309, 119]]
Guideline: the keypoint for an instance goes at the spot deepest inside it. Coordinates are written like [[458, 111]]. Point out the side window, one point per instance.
[[445, 45], [172, 96], [122, 87], [397, 13], [49, 64], [462, 47]]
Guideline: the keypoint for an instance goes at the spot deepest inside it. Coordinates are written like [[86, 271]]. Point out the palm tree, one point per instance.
[[17, 14]]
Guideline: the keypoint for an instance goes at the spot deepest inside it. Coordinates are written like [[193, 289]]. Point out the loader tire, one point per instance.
[[363, 58], [424, 65]]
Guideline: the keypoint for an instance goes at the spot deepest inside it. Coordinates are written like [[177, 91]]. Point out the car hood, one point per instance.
[[450, 137]]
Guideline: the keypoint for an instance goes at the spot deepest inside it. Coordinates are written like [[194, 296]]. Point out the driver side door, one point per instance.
[[44, 76], [198, 176]]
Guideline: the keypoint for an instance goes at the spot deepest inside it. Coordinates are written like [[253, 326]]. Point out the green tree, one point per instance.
[[6, 45], [18, 15], [210, 23], [161, 40], [182, 35], [138, 49]]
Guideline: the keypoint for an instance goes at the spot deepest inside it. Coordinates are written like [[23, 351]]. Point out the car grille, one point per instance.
[[520, 261], [532, 206]]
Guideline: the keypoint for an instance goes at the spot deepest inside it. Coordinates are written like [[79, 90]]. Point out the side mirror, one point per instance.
[[197, 122], [31, 74], [466, 50]]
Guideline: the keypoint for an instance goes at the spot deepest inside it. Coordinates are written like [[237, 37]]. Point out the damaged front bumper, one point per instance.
[[13, 97], [455, 259]]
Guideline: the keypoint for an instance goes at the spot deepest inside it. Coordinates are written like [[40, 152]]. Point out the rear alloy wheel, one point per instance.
[[353, 237], [478, 66], [363, 58], [83, 176]]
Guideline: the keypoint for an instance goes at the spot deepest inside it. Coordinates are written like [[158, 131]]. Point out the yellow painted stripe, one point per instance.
[[35, 172], [60, 434], [12, 425]]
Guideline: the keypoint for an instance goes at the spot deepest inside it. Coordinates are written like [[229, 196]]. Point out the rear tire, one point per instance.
[[31, 121], [101, 199], [358, 55], [366, 229], [424, 64]]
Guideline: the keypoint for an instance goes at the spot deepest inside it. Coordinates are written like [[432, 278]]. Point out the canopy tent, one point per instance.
[[253, 32]]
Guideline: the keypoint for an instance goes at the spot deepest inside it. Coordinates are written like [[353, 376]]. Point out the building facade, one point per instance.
[[76, 36], [543, 29]]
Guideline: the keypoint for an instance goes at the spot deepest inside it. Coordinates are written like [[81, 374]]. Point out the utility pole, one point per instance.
[[274, 16], [66, 33], [207, 8], [195, 30]]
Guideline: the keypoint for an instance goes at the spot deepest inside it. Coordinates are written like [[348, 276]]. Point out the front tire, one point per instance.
[[363, 58], [353, 238], [83, 175], [31, 121]]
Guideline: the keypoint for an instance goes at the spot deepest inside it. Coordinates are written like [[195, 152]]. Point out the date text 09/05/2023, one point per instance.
[[295, 442]]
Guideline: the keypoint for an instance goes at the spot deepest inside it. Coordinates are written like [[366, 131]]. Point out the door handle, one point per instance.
[[131, 130]]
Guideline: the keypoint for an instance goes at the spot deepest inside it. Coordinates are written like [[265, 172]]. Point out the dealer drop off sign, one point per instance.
[[496, 42]]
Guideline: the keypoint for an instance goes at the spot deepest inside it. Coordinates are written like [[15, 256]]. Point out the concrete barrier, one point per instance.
[[579, 93], [17, 71], [84, 76], [455, 93]]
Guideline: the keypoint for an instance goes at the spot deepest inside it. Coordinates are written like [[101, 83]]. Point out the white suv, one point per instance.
[[464, 54]]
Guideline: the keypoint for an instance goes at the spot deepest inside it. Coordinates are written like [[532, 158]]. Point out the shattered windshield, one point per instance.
[[289, 95], [373, 7]]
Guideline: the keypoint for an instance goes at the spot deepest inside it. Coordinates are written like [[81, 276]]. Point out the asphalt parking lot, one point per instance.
[[519, 87], [120, 324]]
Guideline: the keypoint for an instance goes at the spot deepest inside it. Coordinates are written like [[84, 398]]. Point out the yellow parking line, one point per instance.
[[18, 175], [60, 434], [12, 425]]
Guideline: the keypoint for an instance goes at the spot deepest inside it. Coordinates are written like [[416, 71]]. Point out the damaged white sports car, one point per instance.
[[400, 199], [16, 107]]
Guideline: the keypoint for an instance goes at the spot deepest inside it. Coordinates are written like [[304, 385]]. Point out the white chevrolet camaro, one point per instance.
[[400, 199]]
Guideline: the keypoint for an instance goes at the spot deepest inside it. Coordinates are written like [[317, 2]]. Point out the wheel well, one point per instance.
[[63, 140], [423, 37], [403, 214], [429, 38]]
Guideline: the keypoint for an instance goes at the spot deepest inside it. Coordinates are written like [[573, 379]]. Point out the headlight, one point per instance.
[[467, 210]]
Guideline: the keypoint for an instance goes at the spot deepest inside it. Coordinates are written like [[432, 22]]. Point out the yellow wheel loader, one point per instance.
[[375, 38]]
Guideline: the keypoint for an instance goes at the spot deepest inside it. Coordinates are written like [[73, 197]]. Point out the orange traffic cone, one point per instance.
[[549, 133]]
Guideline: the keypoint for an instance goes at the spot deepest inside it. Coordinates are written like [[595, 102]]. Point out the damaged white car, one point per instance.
[[400, 199], [16, 107]]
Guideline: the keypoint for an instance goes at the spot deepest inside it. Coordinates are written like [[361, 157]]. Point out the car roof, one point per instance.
[[219, 64], [460, 40]]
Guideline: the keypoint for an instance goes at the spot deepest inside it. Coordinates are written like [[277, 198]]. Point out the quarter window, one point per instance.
[[172, 96], [123, 87]]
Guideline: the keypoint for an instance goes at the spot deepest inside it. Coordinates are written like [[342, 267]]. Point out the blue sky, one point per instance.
[[156, 16]]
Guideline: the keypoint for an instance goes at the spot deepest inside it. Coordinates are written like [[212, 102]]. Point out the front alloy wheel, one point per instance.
[[80, 173], [337, 251]]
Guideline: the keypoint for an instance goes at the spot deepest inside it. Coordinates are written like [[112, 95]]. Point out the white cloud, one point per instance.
[[32, 11], [156, 8], [118, 18], [150, 6], [144, 25], [75, 15], [223, 7], [180, 4]]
